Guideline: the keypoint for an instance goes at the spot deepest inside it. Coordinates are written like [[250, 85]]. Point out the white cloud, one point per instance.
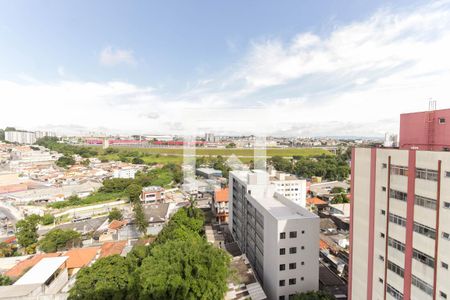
[[354, 81], [111, 57]]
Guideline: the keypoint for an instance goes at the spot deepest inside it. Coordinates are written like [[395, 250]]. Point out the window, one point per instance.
[[282, 283], [383, 188], [383, 212], [441, 120], [446, 204], [427, 288], [423, 258], [282, 251], [381, 257], [302, 278], [446, 236], [426, 174], [380, 279], [443, 295], [292, 250], [303, 232], [447, 174], [396, 269], [281, 298], [402, 196], [397, 220], [282, 267], [282, 235], [425, 230], [396, 245], [425, 202], [292, 266], [303, 263], [292, 281], [394, 293], [383, 166], [399, 170], [303, 247], [444, 265], [382, 235], [293, 234]]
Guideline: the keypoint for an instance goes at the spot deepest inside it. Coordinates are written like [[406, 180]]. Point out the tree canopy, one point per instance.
[[26, 232], [108, 278], [58, 239], [5, 280], [115, 214], [180, 264], [65, 161], [184, 269]]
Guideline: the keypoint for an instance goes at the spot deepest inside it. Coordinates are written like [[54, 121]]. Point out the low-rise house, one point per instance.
[[152, 194], [112, 232], [50, 273], [220, 205], [208, 173], [112, 248], [24, 265], [80, 258]]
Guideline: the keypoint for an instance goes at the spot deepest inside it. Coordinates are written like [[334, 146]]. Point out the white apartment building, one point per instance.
[[279, 237], [41, 134], [289, 186], [20, 137]]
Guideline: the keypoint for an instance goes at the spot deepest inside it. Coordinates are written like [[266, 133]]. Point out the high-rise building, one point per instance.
[[20, 137], [400, 214], [279, 237]]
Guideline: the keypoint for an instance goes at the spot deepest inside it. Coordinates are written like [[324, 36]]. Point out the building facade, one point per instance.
[[279, 238], [20, 137], [400, 224], [152, 194], [289, 186]]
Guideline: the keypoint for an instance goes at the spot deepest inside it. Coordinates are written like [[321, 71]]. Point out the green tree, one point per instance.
[[115, 214], [139, 216], [5, 280], [65, 161], [281, 164], [47, 219], [314, 295], [26, 232], [108, 278], [7, 250], [230, 145], [134, 192], [337, 190], [59, 239], [180, 269], [340, 198], [137, 161]]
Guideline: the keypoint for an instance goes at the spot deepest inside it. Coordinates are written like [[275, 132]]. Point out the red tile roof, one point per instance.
[[111, 248], [221, 195], [116, 224], [80, 257], [23, 266], [315, 201]]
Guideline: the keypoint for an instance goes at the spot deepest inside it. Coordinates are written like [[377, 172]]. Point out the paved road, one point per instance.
[[4, 212]]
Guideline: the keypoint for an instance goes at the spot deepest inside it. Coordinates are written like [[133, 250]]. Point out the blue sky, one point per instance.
[[225, 66]]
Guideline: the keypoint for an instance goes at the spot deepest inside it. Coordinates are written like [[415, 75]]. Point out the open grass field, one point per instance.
[[175, 155], [285, 152]]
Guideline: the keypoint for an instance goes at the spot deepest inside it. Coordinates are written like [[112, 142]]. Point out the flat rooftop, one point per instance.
[[42, 271], [282, 208]]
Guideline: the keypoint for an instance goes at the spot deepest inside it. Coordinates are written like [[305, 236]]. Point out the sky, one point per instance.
[[286, 68]]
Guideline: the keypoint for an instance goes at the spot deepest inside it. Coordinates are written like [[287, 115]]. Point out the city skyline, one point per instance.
[[295, 70]]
